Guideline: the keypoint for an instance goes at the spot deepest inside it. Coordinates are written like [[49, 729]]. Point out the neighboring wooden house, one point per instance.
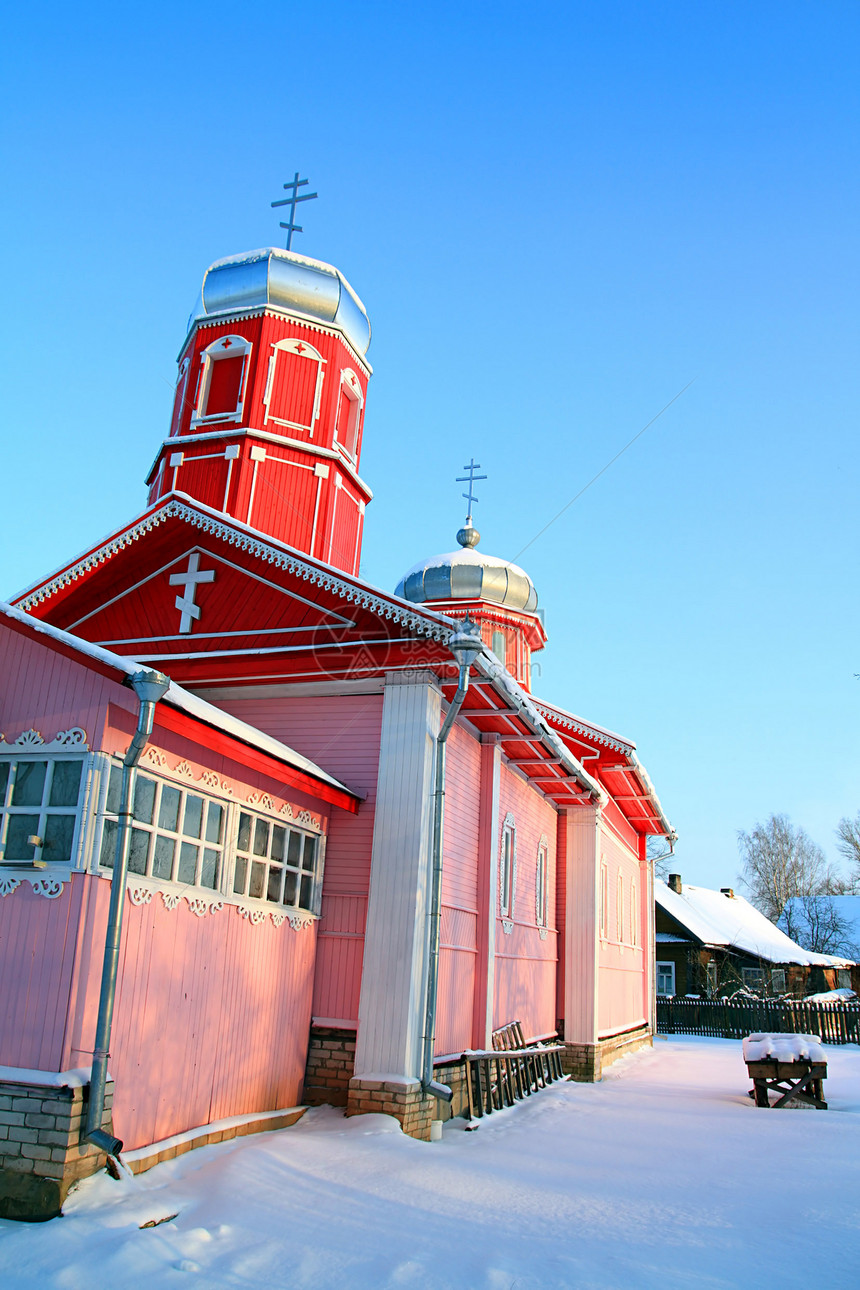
[[288, 953], [715, 942], [830, 923]]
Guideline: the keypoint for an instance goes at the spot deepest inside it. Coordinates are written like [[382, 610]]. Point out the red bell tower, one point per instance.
[[269, 409]]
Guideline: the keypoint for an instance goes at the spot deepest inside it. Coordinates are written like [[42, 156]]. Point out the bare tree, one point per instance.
[[848, 845], [816, 924], [780, 861], [659, 851]]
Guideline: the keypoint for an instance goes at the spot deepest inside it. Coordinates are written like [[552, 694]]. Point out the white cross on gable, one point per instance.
[[185, 604]]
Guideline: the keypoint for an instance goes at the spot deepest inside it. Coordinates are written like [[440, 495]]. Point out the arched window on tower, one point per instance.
[[348, 413], [294, 385], [500, 647], [220, 391]]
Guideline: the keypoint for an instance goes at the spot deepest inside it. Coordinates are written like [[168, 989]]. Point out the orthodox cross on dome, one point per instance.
[[470, 480], [292, 201], [185, 603]]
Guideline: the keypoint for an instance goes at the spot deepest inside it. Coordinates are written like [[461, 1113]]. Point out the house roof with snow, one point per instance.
[[730, 922]]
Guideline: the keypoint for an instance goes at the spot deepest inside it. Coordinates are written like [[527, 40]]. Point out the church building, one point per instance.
[[271, 836]]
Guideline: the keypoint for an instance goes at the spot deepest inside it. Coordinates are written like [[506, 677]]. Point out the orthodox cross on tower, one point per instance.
[[470, 480], [292, 201]]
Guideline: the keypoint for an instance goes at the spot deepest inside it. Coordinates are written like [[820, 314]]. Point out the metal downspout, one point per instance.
[[465, 646], [149, 686]]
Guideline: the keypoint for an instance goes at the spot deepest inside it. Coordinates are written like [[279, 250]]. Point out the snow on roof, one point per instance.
[[180, 698], [731, 922]]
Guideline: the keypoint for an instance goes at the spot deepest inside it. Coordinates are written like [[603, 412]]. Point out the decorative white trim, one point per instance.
[[298, 919], [509, 825], [295, 345], [140, 895], [543, 933], [198, 905], [171, 898], [255, 916], [185, 769], [8, 885], [50, 888], [155, 757], [507, 926], [262, 800], [278, 917], [325, 579], [70, 740], [286, 810], [543, 845], [210, 779]]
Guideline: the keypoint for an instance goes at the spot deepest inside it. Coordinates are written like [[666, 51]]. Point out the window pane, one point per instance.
[[4, 780], [258, 879], [261, 838], [29, 784], [20, 828], [114, 790], [307, 891], [108, 851], [168, 811], [209, 868], [162, 862], [310, 854], [294, 853], [273, 891], [239, 876], [144, 799], [278, 836], [291, 886], [214, 823], [193, 822], [66, 783], [243, 842], [138, 851], [59, 831], [187, 862]]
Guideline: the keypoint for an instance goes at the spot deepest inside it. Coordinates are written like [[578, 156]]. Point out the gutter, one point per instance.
[[465, 645], [149, 686]]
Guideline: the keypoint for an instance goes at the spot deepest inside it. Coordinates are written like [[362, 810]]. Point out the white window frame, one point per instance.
[[712, 976], [500, 642], [15, 757], [294, 345], [231, 347], [508, 870], [667, 968], [349, 393], [542, 884], [273, 864], [778, 983]]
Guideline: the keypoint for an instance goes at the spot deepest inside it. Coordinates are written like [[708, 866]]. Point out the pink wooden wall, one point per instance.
[[458, 939], [621, 964], [525, 984], [343, 735], [212, 1014]]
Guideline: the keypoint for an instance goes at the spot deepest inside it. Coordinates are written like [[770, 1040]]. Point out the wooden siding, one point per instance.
[[622, 967], [212, 1014], [343, 735], [525, 969], [459, 931], [581, 925]]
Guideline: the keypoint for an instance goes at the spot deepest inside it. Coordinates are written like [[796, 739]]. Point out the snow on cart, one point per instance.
[[793, 1066]]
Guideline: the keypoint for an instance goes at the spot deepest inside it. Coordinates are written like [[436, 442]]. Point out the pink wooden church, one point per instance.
[[246, 883]]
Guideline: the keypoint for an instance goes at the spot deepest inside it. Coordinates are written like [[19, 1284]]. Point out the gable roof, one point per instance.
[[179, 698], [731, 922]]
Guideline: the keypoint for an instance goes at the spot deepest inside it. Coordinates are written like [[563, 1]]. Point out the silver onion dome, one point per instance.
[[468, 574], [284, 280]]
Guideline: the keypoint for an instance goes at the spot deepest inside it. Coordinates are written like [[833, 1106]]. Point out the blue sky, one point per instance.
[[557, 217]]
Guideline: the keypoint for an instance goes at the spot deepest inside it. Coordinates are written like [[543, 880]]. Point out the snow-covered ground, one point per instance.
[[664, 1175]]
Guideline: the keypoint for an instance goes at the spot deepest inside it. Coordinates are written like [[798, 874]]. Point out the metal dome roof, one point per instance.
[[285, 280], [468, 574]]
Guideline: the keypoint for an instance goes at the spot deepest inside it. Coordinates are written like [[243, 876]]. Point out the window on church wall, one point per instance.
[[348, 414], [508, 869], [177, 834], [294, 385], [181, 397], [222, 380], [619, 910], [500, 647], [634, 913], [604, 899], [39, 800], [541, 885], [275, 863]]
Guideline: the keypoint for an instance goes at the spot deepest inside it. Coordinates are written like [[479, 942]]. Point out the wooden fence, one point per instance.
[[836, 1023]]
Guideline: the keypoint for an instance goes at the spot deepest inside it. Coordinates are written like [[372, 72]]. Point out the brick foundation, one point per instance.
[[401, 1098], [331, 1061], [41, 1147], [587, 1062]]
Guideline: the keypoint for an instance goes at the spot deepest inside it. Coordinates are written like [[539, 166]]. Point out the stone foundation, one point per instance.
[[330, 1064], [41, 1148], [401, 1098], [587, 1062]]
